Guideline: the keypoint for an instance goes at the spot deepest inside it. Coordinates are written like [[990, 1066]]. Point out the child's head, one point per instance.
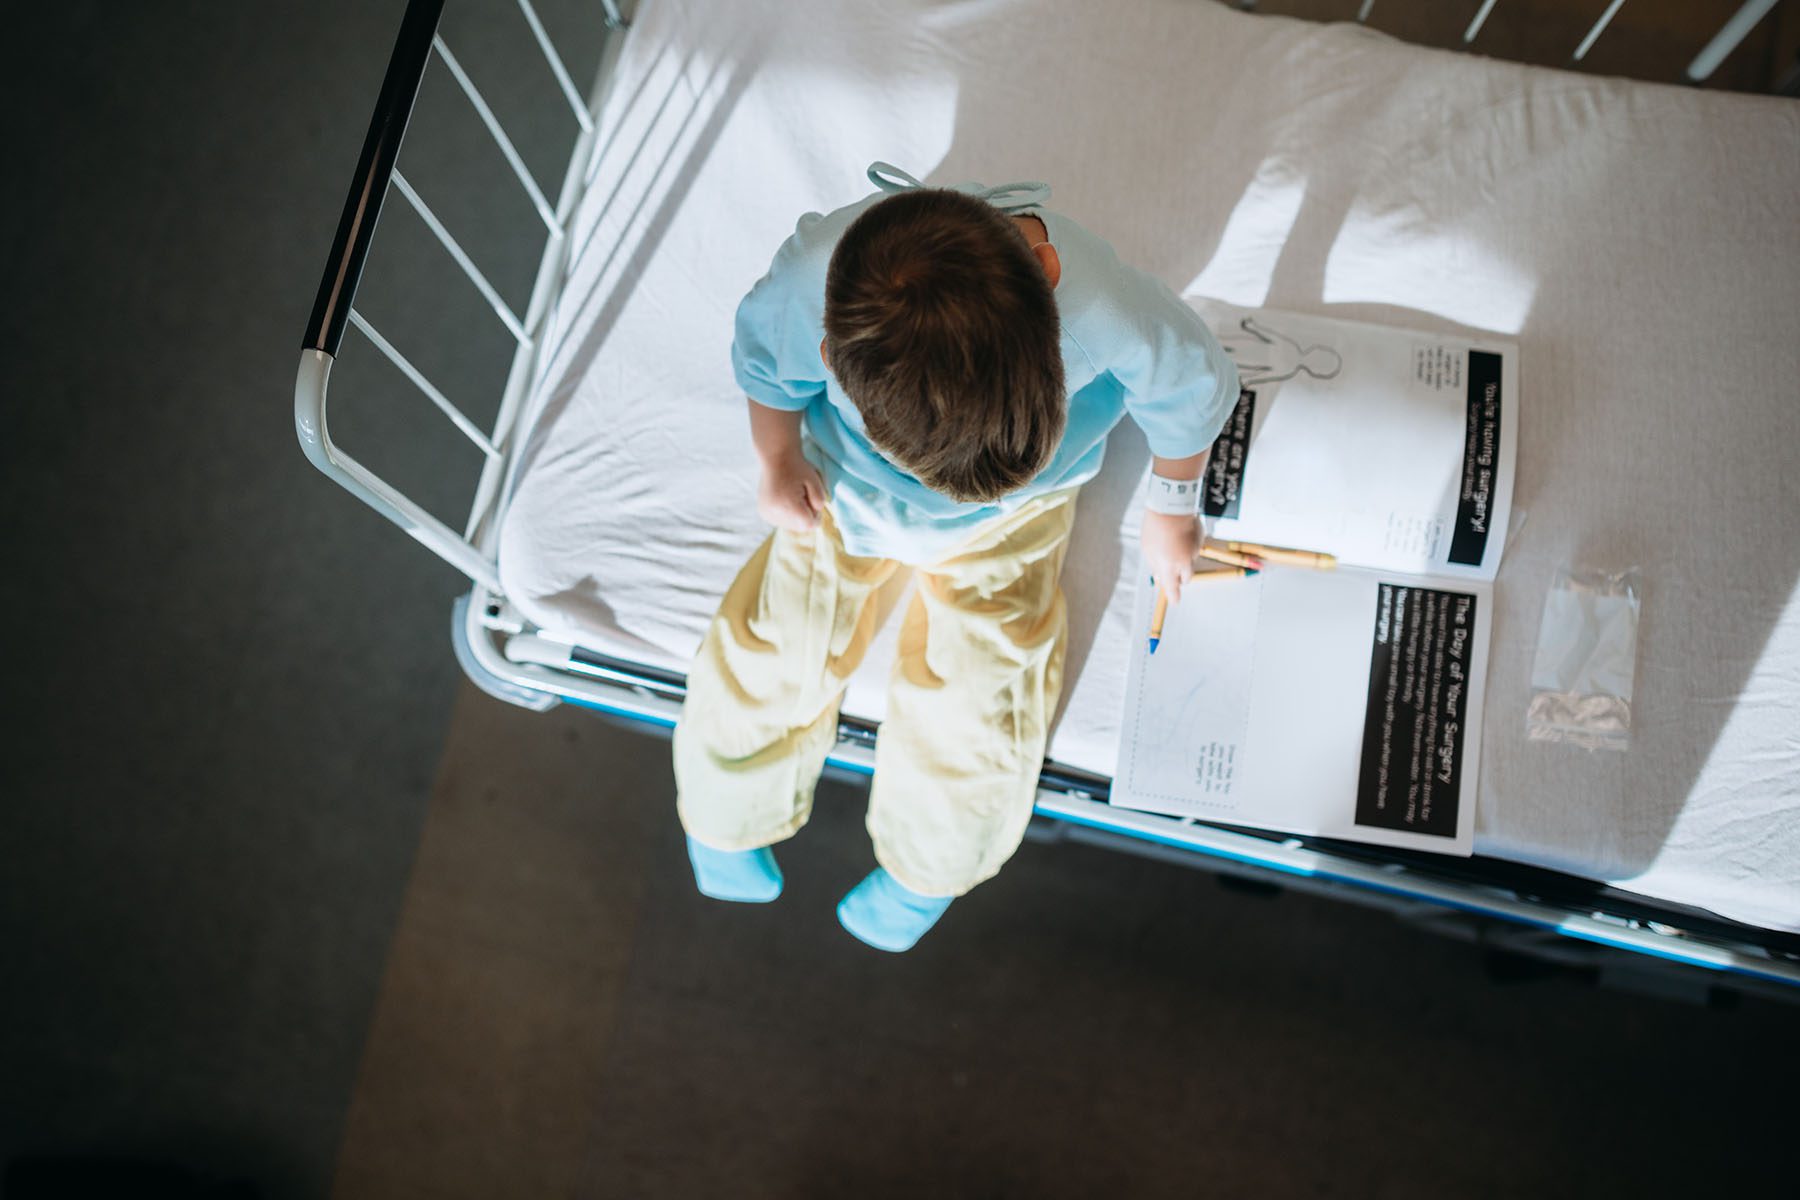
[[941, 325]]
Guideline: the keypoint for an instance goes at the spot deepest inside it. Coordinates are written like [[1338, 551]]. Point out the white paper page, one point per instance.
[[1391, 450], [1257, 707], [1187, 706]]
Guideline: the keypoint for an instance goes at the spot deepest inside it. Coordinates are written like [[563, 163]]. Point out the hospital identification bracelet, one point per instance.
[[1173, 497]]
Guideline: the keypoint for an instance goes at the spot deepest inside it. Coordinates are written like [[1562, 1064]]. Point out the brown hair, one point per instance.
[[942, 329]]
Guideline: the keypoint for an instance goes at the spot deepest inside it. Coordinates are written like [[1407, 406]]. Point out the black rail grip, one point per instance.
[[374, 168]]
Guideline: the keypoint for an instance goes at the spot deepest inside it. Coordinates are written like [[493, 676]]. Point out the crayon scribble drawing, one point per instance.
[[1194, 697]]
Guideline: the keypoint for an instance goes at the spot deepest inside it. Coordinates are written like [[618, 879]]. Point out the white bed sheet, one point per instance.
[[1641, 243]]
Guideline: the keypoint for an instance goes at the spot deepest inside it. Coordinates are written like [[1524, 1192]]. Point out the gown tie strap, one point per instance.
[[1007, 197]]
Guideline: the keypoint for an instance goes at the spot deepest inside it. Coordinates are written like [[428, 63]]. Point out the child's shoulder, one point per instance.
[[1097, 287], [816, 235], [1089, 260], [1105, 302]]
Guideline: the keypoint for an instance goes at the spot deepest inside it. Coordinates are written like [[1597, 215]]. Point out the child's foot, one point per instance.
[[746, 876], [887, 914]]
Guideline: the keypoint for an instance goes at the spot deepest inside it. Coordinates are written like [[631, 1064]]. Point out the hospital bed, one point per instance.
[[1639, 242]]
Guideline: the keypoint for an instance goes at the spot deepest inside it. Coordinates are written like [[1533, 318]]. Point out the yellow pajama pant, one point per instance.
[[976, 680]]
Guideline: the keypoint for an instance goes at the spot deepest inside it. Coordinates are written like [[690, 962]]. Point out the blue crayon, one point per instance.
[[1162, 599]]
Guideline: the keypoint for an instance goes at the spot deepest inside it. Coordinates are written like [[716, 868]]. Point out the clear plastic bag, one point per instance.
[[1586, 657]]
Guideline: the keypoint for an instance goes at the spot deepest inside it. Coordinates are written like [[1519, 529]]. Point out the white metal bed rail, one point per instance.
[[1730, 35], [471, 551]]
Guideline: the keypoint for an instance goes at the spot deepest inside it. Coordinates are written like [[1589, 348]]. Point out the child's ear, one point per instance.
[[826, 358], [1047, 259]]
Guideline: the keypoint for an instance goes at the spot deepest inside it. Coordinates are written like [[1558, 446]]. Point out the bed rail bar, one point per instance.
[[374, 168], [507, 149], [1736, 28], [1730, 35], [583, 118], [377, 170]]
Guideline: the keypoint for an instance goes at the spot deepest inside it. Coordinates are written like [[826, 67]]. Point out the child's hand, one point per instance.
[[1170, 544], [792, 493]]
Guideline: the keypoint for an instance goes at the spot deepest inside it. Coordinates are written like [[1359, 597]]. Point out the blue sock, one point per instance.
[[746, 876], [887, 914]]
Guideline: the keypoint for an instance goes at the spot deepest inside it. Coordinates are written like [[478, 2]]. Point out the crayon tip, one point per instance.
[[1154, 642]]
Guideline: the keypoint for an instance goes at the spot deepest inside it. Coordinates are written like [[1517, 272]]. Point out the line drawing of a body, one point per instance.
[[1261, 356]]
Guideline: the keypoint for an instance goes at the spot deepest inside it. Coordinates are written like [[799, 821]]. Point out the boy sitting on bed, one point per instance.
[[955, 359]]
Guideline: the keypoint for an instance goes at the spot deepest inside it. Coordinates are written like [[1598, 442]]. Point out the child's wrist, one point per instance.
[[783, 457]]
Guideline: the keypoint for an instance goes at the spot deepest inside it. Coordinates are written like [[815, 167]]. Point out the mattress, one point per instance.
[[1639, 242]]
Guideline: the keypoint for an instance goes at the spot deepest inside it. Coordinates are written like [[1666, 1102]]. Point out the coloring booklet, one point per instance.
[[1342, 701]]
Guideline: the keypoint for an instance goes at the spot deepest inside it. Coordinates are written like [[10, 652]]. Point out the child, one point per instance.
[[956, 358]]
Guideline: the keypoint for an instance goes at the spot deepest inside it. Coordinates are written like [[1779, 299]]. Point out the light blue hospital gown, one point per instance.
[[1128, 346]]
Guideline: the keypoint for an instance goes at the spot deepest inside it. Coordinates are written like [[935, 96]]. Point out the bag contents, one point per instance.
[[1586, 656]]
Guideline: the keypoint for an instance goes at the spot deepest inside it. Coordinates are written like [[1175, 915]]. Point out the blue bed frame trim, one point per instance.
[[1674, 953]]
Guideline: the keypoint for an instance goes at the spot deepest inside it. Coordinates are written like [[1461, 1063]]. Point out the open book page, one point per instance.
[[1343, 703], [1392, 450]]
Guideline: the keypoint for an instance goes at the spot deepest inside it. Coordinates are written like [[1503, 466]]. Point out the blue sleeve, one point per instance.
[[1180, 385], [775, 347]]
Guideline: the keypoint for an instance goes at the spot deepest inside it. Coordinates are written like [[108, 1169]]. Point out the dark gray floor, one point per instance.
[[228, 682], [227, 697], [564, 1015]]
